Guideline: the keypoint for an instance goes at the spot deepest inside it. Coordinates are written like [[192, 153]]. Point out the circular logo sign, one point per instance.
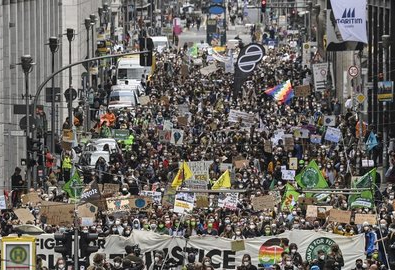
[[18, 255], [140, 203], [310, 178], [270, 252], [322, 243], [353, 71], [248, 58]]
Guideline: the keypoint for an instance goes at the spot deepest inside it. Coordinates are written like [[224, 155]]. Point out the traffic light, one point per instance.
[[64, 246], [146, 58], [85, 247], [263, 6], [34, 145]]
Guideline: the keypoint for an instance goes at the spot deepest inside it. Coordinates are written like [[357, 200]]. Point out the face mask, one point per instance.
[[365, 228], [85, 231], [117, 264], [322, 257], [161, 226], [293, 250], [383, 226], [227, 221], [246, 263], [252, 227], [267, 231], [211, 220], [294, 213], [117, 222], [238, 233], [61, 266], [127, 232], [193, 223], [288, 263], [114, 229], [207, 263], [209, 225], [156, 259], [110, 222], [146, 226], [125, 224], [136, 225], [153, 226]]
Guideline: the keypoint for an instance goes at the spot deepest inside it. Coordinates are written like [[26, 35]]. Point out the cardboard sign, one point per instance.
[[31, 197], [164, 136], [293, 163], [361, 218], [322, 212], [208, 70], [165, 101], [156, 196], [184, 71], [301, 133], [144, 100], [302, 91], [141, 203], [110, 188], [116, 204], [87, 210], [87, 221], [240, 163], [24, 215], [263, 202], [288, 142], [340, 216], [238, 245], [268, 147], [228, 201], [313, 211], [58, 214]]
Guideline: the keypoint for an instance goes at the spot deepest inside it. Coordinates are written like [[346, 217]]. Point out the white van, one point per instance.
[[123, 96], [129, 69], [160, 43]]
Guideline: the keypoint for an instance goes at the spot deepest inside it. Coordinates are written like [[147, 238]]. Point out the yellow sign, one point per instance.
[[18, 252], [360, 98]]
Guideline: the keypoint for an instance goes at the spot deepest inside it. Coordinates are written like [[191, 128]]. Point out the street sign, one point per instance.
[[353, 71], [67, 94], [21, 109], [18, 252], [360, 98], [17, 133], [48, 94]]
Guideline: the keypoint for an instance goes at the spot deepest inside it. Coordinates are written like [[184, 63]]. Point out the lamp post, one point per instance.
[[309, 6], [93, 22], [386, 44], [100, 12], [87, 23], [316, 10], [70, 33], [54, 47], [27, 66]]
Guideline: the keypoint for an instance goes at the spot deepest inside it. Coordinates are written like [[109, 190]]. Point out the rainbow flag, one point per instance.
[[282, 92]]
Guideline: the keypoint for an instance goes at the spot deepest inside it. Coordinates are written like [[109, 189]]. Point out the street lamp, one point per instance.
[[27, 67], [100, 12], [309, 6], [70, 33], [93, 22], [386, 44], [54, 47], [88, 25]]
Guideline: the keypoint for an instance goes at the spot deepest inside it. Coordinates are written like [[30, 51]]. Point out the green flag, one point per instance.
[[311, 177], [290, 197], [365, 199], [75, 180]]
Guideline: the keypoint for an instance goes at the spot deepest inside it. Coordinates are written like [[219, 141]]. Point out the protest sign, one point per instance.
[[339, 216], [288, 174], [164, 136], [333, 134], [302, 133], [314, 210], [288, 142], [144, 100], [110, 188], [165, 100], [369, 218], [208, 69], [86, 221], [58, 213], [156, 196], [202, 201], [307, 201], [263, 202], [24, 215], [120, 134], [141, 203], [67, 135], [200, 170], [31, 197], [3, 203], [177, 136], [87, 210], [246, 119], [184, 202], [293, 163], [241, 163], [267, 147], [315, 139], [117, 204], [228, 201], [182, 121], [302, 90]]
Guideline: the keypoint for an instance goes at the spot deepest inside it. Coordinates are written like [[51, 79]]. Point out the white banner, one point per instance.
[[350, 19], [320, 73], [263, 250]]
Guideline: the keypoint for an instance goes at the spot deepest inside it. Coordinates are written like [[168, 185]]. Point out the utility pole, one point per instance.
[[27, 66], [87, 24], [70, 37], [386, 43]]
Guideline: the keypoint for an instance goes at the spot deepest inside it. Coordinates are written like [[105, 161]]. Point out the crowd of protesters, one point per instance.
[[147, 163]]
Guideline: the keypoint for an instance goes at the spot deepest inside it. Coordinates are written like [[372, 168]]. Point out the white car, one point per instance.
[[88, 159], [123, 99]]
